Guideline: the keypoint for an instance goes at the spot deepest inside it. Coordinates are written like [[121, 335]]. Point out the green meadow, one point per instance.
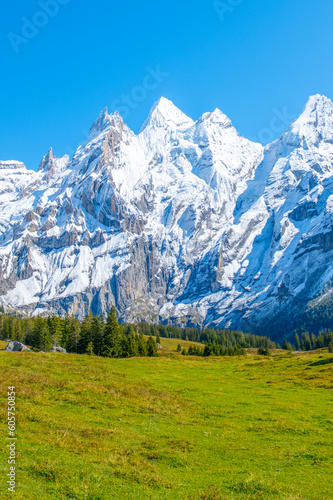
[[173, 427]]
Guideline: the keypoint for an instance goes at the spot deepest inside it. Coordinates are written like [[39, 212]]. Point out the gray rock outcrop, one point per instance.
[[14, 346], [58, 349]]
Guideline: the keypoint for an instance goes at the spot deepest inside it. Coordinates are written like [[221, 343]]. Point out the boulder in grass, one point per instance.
[[14, 346], [58, 349]]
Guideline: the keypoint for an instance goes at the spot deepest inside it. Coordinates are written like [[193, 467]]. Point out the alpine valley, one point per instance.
[[186, 223]]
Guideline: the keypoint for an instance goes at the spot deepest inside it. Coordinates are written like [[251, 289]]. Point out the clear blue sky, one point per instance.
[[265, 55]]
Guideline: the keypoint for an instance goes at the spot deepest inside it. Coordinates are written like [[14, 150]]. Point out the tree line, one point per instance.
[[208, 336], [307, 342], [107, 337], [94, 335], [100, 336], [212, 350]]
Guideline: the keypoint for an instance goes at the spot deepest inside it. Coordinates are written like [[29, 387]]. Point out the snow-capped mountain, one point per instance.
[[186, 222]]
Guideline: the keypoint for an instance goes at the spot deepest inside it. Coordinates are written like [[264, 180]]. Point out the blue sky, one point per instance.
[[64, 62]]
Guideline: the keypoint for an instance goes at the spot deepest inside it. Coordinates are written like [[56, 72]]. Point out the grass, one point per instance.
[[169, 346], [172, 427]]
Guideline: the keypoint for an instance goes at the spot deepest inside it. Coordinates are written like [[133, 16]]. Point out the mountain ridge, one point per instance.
[[186, 221]]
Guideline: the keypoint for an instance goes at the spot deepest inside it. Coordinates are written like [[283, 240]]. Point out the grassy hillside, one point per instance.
[[170, 345], [170, 427]]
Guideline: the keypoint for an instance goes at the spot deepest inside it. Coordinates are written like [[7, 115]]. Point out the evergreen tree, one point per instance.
[[313, 341], [97, 334], [151, 347], [133, 347], [74, 334], [142, 345], [297, 343], [207, 350], [86, 333], [179, 348], [90, 349], [124, 347], [287, 346], [41, 338], [112, 336], [56, 329], [307, 341], [320, 341]]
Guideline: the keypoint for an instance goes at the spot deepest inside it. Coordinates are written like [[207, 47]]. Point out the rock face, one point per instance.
[[186, 222], [16, 346], [58, 349]]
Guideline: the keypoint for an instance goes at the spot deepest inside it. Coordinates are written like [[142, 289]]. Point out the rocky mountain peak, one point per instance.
[[216, 117], [106, 121], [52, 165], [47, 162], [165, 114], [102, 122], [315, 124]]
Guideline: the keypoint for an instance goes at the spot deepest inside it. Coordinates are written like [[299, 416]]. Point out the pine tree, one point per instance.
[[142, 345], [133, 348], [45, 338], [207, 350], [41, 338], [287, 345], [151, 347], [306, 342], [124, 347], [86, 333], [320, 341], [74, 331], [112, 336], [231, 351], [90, 349], [313, 341], [56, 329], [179, 348], [97, 334], [297, 343]]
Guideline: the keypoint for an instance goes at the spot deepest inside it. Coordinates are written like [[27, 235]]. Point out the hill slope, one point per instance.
[[179, 429]]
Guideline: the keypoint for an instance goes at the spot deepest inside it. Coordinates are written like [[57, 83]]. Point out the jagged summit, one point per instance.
[[165, 113], [51, 166], [317, 112], [102, 122], [319, 102], [217, 116], [315, 124], [47, 161]]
